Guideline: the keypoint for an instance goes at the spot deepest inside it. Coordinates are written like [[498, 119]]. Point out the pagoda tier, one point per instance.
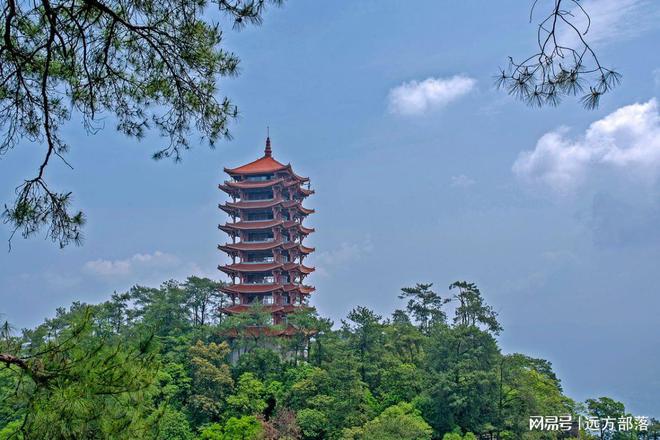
[[233, 188], [266, 231], [234, 209], [280, 228], [239, 268]]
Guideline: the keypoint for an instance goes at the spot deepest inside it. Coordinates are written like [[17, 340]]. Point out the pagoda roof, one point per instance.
[[250, 267], [232, 186], [298, 205], [265, 267], [271, 308], [293, 244], [266, 288], [253, 204], [247, 246], [298, 267], [242, 225], [299, 288], [262, 204], [294, 224], [266, 224], [251, 288], [265, 246], [229, 185], [263, 165]]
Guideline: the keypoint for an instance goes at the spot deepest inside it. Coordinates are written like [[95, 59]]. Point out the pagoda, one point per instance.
[[266, 235]]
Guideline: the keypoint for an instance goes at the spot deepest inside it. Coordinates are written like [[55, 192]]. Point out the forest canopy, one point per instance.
[[163, 363]]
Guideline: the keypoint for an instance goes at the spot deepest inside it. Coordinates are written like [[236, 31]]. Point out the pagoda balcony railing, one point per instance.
[[254, 200], [267, 240], [256, 302], [268, 199], [259, 178], [268, 260], [258, 220], [260, 283]]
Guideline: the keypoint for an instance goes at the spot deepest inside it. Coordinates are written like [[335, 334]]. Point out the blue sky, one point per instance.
[[423, 173]]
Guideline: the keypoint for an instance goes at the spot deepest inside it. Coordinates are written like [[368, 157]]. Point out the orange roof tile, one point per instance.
[[231, 187], [298, 267], [262, 165], [253, 225], [250, 267], [247, 246], [251, 288]]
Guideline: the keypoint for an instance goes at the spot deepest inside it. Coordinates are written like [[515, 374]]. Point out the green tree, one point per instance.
[[162, 310], [458, 436], [78, 384], [305, 324], [171, 425], [313, 423], [249, 398], [399, 422], [424, 305], [203, 299], [472, 310], [211, 380], [400, 383], [527, 387], [366, 338], [602, 408], [335, 391], [241, 428], [263, 363], [403, 339], [462, 363]]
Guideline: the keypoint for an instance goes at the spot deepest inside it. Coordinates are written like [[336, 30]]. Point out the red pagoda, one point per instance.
[[267, 233]]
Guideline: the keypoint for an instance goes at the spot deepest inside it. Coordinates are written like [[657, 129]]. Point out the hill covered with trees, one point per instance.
[[157, 363]]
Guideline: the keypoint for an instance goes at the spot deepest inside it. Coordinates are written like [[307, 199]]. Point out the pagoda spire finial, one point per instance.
[[268, 152]]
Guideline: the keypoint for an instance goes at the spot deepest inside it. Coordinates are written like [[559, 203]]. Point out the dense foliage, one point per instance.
[[144, 66], [162, 363]]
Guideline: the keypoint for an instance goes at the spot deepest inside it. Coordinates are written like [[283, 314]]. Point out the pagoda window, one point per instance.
[[286, 299], [259, 195], [259, 278], [260, 236], [284, 278], [259, 216], [267, 299], [286, 216], [259, 178], [259, 258]]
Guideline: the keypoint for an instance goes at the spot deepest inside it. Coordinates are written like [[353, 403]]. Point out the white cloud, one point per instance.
[[415, 97], [627, 140], [611, 21], [131, 265], [461, 181]]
